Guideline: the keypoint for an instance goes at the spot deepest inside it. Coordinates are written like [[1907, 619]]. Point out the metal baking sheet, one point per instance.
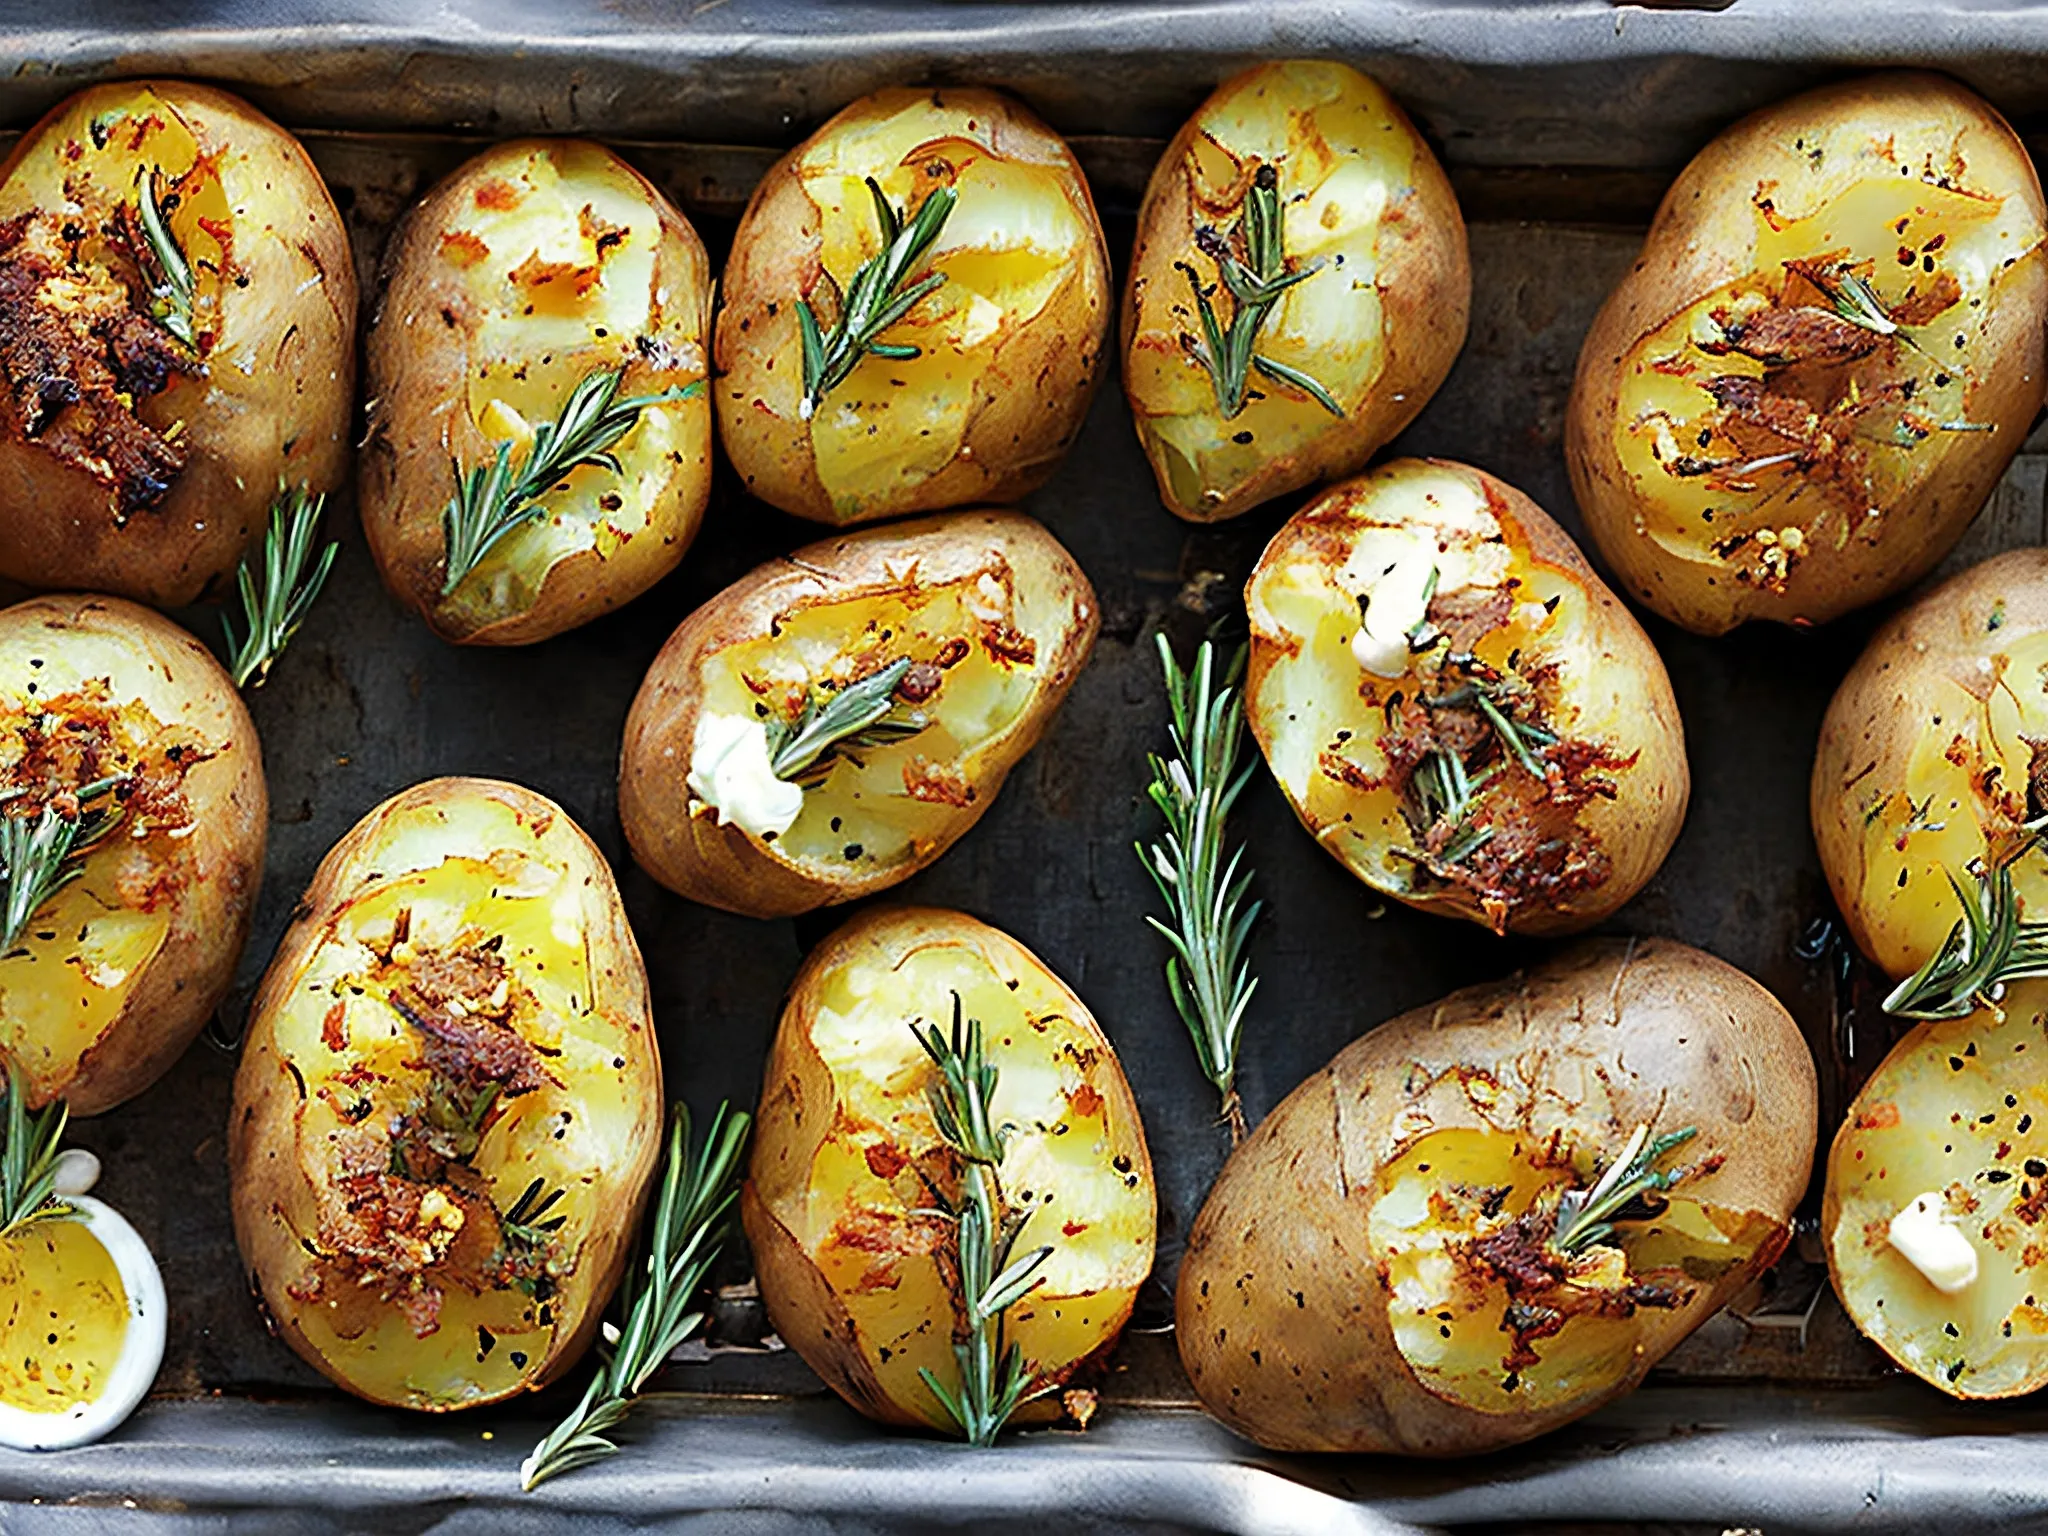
[[1560, 123]]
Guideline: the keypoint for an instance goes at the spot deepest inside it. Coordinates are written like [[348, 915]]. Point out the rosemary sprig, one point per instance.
[[28, 1158], [1446, 791], [277, 593], [1586, 1217], [838, 721], [994, 1380], [1852, 298], [1989, 946], [1210, 979], [1256, 284], [41, 854], [493, 499], [173, 298], [527, 1223], [698, 1186], [876, 298]]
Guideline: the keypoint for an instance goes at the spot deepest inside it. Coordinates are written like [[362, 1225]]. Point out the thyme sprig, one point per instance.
[[493, 499], [1989, 946], [698, 1187], [277, 592], [41, 854], [837, 722], [994, 1379], [876, 298], [1256, 283], [1207, 974], [1586, 1217], [172, 293], [29, 1150]]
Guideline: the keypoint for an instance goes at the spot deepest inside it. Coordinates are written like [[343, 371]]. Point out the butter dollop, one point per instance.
[[730, 771], [1394, 603], [1928, 1239]]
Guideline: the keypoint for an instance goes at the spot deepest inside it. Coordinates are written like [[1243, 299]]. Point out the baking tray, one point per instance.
[[1560, 124]]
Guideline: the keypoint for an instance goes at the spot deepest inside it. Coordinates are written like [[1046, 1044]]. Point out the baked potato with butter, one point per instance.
[[1494, 1213], [133, 815], [1300, 207], [914, 313], [449, 1105], [853, 1197], [1828, 352], [1457, 707], [177, 341], [539, 445], [834, 721]]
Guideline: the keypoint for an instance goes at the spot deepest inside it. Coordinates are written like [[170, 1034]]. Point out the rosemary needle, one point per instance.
[[876, 298], [1990, 945], [1588, 1217], [862, 714], [28, 1158], [41, 854], [172, 299], [277, 592]]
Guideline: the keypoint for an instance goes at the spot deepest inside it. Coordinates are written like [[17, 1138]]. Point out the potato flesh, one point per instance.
[[1960, 1108], [1066, 1162], [1343, 160], [63, 1317]]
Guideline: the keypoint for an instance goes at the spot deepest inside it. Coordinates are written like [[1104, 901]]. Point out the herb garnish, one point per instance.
[[1256, 285], [41, 854], [1207, 974], [876, 298], [994, 1380], [492, 499], [28, 1158], [527, 1223], [1586, 1217], [1445, 791], [1989, 946], [698, 1187], [277, 593], [172, 292], [837, 722]]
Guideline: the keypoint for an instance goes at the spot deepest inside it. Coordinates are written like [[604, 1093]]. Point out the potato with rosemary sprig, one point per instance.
[[133, 815], [1299, 289], [915, 312], [449, 1105], [834, 721], [1457, 707], [178, 339], [1494, 1213], [539, 445], [1826, 355], [942, 1122]]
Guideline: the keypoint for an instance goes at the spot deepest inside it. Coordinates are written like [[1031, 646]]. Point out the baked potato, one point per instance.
[[1936, 1188], [539, 446], [1457, 707], [1495, 1213], [847, 1198], [1933, 759], [1299, 288], [1826, 355], [915, 311], [177, 339], [133, 815], [834, 721], [449, 1104]]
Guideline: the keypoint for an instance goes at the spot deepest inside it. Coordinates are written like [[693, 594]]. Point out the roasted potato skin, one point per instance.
[[272, 1154], [1611, 693], [276, 313], [202, 878], [1742, 202], [810, 1120], [725, 866], [1018, 400], [1332, 118], [1926, 758], [481, 252], [1284, 1312]]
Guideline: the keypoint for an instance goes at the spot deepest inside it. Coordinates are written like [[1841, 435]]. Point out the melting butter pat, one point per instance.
[[1928, 1239], [1393, 603], [730, 771]]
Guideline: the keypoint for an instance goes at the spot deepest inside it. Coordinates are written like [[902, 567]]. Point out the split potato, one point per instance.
[[833, 722], [1828, 352], [543, 287], [1303, 172], [1936, 1189], [177, 339], [1494, 1213], [975, 391], [1934, 758], [131, 783], [449, 1105], [847, 1193], [1457, 707]]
